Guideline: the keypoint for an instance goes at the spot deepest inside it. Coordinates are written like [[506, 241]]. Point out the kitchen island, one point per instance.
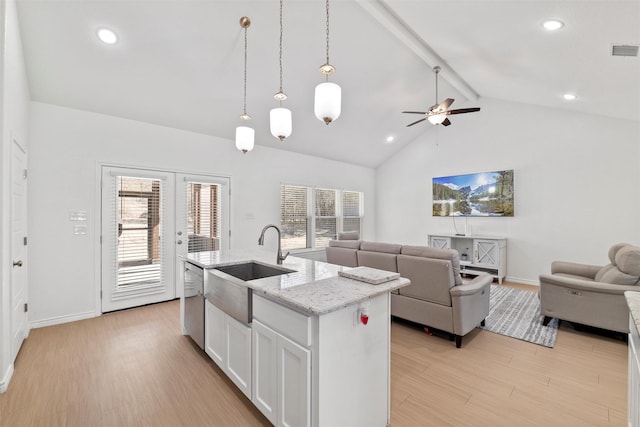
[[315, 348]]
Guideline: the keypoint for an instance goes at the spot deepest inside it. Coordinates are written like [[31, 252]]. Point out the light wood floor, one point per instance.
[[133, 368]]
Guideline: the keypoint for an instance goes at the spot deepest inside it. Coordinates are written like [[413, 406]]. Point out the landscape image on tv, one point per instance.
[[477, 194]]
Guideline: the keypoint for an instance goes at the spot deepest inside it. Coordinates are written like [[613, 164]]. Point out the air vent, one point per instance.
[[624, 50]]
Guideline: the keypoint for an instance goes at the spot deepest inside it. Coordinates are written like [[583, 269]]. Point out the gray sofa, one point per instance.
[[436, 296], [590, 294]]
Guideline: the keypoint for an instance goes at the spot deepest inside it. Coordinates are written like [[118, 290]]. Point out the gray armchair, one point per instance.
[[590, 294]]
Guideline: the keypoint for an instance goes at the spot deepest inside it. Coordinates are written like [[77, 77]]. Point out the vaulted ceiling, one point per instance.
[[179, 63]]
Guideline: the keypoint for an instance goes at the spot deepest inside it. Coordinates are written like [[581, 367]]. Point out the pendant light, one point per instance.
[[328, 95], [245, 134], [280, 118]]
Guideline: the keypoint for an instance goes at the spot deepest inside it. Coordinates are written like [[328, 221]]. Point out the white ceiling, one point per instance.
[[180, 63]]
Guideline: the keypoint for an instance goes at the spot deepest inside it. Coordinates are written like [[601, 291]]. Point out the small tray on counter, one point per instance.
[[373, 276]]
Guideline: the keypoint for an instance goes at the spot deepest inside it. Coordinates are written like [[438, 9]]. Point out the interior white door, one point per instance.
[[202, 217], [19, 318], [138, 245]]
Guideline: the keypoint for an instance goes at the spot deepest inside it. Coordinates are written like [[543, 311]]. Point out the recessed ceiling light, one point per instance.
[[390, 139], [569, 97], [107, 36], [552, 24]]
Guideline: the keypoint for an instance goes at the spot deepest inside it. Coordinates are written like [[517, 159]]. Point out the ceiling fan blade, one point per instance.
[[463, 110], [415, 112], [416, 122], [446, 122], [445, 104]]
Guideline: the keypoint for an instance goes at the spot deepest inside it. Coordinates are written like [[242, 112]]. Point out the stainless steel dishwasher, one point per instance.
[[194, 302]]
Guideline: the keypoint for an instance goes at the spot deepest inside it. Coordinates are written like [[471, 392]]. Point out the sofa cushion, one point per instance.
[[628, 260], [611, 274], [349, 235], [342, 256], [430, 252], [389, 248], [624, 268], [431, 279], [379, 260], [351, 244], [614, 250]]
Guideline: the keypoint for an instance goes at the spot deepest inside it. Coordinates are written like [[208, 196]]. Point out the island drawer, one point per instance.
[[286, 321]]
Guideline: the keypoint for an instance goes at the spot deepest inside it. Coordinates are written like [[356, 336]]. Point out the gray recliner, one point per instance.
[[590, 294]]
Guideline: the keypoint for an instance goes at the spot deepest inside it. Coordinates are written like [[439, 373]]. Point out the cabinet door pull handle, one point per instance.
[[17, 263]]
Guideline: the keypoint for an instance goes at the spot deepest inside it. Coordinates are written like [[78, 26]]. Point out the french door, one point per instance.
[[149, 218]]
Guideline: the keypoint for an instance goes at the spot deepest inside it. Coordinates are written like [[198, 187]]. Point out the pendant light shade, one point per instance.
[[328, 100], [280, 119], [244, 138], [328, 97]]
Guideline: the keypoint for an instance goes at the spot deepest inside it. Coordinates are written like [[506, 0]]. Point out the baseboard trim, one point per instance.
[[4, 384], [62, 319], [522, 281]]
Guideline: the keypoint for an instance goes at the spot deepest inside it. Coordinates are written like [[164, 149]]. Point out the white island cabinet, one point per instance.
[[321, 370], [307, 358], [228, 344], [633, 300]]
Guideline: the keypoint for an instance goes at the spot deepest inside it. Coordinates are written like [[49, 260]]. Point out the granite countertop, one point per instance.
[[313, 288], [633, 301]]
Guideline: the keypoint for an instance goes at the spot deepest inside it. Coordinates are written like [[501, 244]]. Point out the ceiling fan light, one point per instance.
[[436, 119], [327, 104], [280, 122], [244, 138]]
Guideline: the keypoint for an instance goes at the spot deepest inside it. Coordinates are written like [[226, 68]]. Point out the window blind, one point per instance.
[[311, 217], [204, 216], [352, 204], [294, 216], [326, 217], [139, 203]]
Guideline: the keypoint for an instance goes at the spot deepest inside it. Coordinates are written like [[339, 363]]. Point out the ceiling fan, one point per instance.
[[437, 114]]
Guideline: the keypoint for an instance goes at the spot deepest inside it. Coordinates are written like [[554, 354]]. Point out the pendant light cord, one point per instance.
[[280, 58], [327, 9], [244, 109]]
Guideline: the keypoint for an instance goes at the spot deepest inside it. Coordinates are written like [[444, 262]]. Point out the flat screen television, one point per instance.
[[486, 194]]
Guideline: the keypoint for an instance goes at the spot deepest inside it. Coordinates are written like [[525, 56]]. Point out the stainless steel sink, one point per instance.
[[225, 287], [252, 271]]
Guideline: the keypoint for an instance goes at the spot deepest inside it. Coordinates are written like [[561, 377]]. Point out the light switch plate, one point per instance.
[[78, 216]]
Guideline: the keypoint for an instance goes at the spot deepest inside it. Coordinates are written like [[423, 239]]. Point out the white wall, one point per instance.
[[67, 146], [14, 94], [577, 180]]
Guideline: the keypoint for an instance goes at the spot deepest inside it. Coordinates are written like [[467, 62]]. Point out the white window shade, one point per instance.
[[294, 216], [352, 207]]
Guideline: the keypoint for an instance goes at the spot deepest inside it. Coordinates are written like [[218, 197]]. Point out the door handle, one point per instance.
[[179, 242], [17, 263]]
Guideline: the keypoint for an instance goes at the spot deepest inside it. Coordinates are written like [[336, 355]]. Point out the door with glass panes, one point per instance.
[[149, 218]]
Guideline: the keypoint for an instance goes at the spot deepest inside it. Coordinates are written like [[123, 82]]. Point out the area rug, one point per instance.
[[516, 313]]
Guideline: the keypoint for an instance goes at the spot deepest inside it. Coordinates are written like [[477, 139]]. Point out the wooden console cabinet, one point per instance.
[[478, 254]]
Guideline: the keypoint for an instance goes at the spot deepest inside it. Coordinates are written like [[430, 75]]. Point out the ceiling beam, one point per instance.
[[388, 19]]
